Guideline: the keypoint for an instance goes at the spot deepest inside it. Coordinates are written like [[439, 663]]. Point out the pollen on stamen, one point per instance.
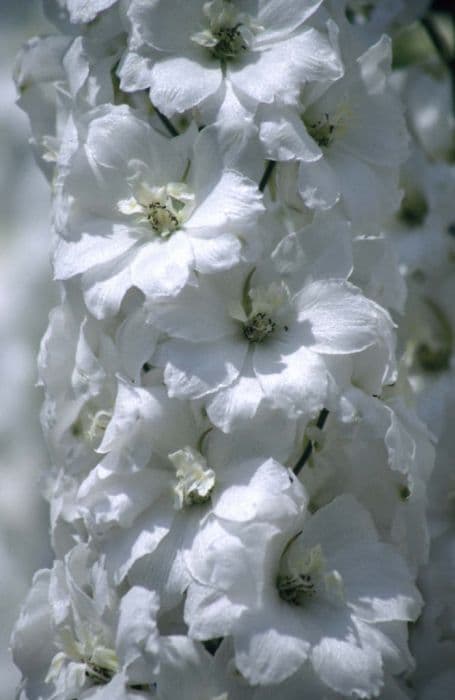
[[228, 32], [162, 219], [322, 131], [293, 589], [229, 43], [258, 328], [195, 481]]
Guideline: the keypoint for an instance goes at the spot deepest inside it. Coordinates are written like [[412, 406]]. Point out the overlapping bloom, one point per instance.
[[239, 479]]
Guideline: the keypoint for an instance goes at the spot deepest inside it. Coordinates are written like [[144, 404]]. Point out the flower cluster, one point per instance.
[[238, 480]]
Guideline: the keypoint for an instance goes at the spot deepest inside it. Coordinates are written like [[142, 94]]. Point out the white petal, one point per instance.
[[73, 257], [197, 314], [137, 641], [296, 383], [232, 407], [164, 25], [272, 649], [380, 589], [318, 184], [105, 286], [233, 203], [336, 318], [284, 135], [347, 668], [136, 340], [179, 83], [193, 370], [282, 69], [219, 253], [280, 17], [82, 11], [161, 268]]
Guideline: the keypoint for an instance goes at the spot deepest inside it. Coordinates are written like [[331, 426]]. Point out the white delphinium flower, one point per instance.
[[349, 141], [264, 50], [77, 366], [58, 74], [380, 453], [148, 211], [423, 229], [249, 335], [91, 643], [373, 18], [146, 499], [235, 459], [426, 90], [39, 73], [423, 234], [129, 501], [432, 639], [323, 581]]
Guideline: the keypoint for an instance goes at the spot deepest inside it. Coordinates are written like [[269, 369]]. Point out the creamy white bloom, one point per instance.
[[90, 641], [321, 582], [351, 142], [376, 450], [250, 336], [238, 479], [264, 50], [149, 211]]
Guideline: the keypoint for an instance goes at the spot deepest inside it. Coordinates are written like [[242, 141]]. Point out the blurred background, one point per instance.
[[26, 295]]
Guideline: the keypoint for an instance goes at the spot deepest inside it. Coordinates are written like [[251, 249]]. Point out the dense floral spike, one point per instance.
[[238, 477]]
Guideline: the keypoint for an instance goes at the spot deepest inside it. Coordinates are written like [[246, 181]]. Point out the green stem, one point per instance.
[[167, 123], [309, 448], [445, 52], [266, 176]]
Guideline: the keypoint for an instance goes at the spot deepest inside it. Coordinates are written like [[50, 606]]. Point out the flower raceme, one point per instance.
[[237, 477]]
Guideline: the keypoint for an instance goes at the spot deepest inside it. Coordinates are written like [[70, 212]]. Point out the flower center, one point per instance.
[[99, 663], [322, 130], [229, 32], [97, 674], [302, 574], [164, 208], [299, 576], [262, 311], [258, 327], [325, 126], [91, 423], [293, 588], [230, 43], [162, 218], [195, 481]]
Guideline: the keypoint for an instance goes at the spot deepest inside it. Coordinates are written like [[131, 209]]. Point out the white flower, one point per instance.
[[245, 341], [239, 483], [265, 52], [428, 99], [189, 672], [318, 583], [77, 364], [380, 453], [357, 141], [88, 638], [148, 211]]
